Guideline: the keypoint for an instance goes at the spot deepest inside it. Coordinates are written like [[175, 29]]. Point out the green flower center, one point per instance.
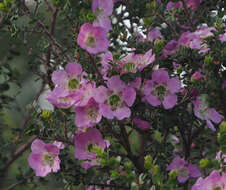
[[73, 84], [217, 188], [90, 41], [90, 147], [203, 110], [49, 159], [160, 91], [129, 66], [114, 101]]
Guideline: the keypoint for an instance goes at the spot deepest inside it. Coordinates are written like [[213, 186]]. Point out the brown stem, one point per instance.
[[48, 55], [42, 25], [110, 185], [97, 70], [137, 161]]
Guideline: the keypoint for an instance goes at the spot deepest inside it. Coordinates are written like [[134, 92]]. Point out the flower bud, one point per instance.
[[173, 174], [204, 163]]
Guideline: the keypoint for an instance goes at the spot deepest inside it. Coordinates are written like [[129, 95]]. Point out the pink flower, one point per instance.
[[68, 82], [87, 115], [186, 38], [214, 181], [185, 170], [102, 7], [136, 62], [145, 60], [197, 76], [220, 156], [170, 48], [62, 98], [222, 37], [136, 84], [203, 112], [162, 89], [59, 144], [173, 5], [195, 40], [91, 187], [89, 163], [106, 59], [193, 4], [154, 34], [104, 22], [70, 78], [84, 142], [93, 39], [143, 125], [129, 64], [86, 92], [204, 32], [140, 37], [174, 140], [116, 99], [44, 158]]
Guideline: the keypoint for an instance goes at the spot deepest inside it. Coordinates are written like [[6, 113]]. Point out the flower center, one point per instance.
[[129, 66], [183, 172], [203, 110], [160, 91], [64, 100], [48, 159], [73, 84], [217, 188], [90, 41], [114, 101], [99, 11], [92, 113], [90, 147]]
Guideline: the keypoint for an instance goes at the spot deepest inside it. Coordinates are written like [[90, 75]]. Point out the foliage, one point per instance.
[[144, 41]]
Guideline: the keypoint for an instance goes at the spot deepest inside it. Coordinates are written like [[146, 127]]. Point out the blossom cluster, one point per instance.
[[112, 98], [93, 37]]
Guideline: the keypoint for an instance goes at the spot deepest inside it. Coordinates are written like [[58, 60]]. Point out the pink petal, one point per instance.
[[210, 125], [143, 125], [173, 85], [169, 101], [114, 83], [73, 69], [60, 78], [214, 115], [80, 117], [153, 100], [52, 149], [160, 76], [122, 113], [182, 179], [129, 96], [35, 160], [38, 146], [100, 94], [106, 111], [56, 165], [194, 171]]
